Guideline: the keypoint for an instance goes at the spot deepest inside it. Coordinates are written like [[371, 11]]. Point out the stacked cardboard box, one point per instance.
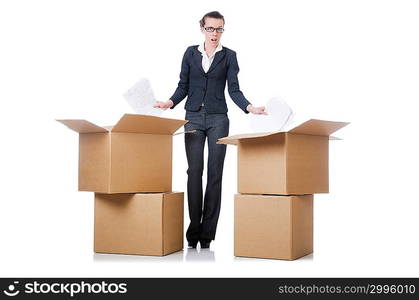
[[278, 173], [129, 167]]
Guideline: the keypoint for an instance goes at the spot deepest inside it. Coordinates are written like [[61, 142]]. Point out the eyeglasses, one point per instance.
[[211, 29]]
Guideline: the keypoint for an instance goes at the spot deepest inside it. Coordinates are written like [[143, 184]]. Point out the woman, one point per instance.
[[204, 72]]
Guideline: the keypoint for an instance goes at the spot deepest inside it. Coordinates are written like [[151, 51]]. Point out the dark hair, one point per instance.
[[212, 14]]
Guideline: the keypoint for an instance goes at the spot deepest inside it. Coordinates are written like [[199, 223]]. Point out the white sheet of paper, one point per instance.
[[141, 98], [279, 116]]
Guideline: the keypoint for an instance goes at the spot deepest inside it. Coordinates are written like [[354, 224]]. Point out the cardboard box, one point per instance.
[[279, 227], [145, 224], [290, 162], [133, 156]]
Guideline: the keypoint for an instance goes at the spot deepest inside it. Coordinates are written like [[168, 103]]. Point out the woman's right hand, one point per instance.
[[256, 110], [163, 105]]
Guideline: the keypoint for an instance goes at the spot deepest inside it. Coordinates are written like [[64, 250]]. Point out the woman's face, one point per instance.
[[212, 38]]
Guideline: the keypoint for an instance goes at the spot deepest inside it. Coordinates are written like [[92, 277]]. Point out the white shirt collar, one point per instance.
[[201, 48]]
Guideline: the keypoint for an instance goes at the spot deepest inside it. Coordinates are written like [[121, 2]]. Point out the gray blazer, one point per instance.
[[208, 88]]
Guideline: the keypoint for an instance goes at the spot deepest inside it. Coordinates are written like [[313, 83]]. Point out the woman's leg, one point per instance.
[[194, 145], [217, 127]]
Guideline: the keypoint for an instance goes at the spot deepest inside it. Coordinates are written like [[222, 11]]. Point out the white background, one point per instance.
[[351, 61]]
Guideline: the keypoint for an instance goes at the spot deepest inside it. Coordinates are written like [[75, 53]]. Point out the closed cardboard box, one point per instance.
[[290, 162], [133, 156], [278, 227], [144, 224]]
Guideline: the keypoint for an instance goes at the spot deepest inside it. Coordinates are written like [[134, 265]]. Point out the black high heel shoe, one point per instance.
[[192, 244], [205, 244]]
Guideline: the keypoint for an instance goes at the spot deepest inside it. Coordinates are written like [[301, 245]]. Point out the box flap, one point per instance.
[[147, 124], [318, 127], [233, 140], [310, 127], [185, 132], [82, 126]]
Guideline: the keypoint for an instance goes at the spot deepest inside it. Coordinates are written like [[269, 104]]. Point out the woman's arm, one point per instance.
[[181, 90], [183, 85], [233, 84], [234, 89]]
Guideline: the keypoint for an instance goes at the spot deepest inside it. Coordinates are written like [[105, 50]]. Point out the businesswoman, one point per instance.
[[204, 72]]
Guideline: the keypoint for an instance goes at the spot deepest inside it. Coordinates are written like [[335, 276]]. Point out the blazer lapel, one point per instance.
[[197, 59], [217, 58]]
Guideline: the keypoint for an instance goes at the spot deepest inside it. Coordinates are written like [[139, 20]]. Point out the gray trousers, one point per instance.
[[204, 211]]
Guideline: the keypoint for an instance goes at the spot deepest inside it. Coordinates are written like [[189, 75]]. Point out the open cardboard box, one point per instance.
[[286, 162], [133, 156]]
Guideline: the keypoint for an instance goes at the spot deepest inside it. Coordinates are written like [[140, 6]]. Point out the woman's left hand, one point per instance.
[[256, 110]]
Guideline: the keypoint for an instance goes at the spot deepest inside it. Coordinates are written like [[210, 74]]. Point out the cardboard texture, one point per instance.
[[142, 224], [276, 227], [133, 156], [292, 162]]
